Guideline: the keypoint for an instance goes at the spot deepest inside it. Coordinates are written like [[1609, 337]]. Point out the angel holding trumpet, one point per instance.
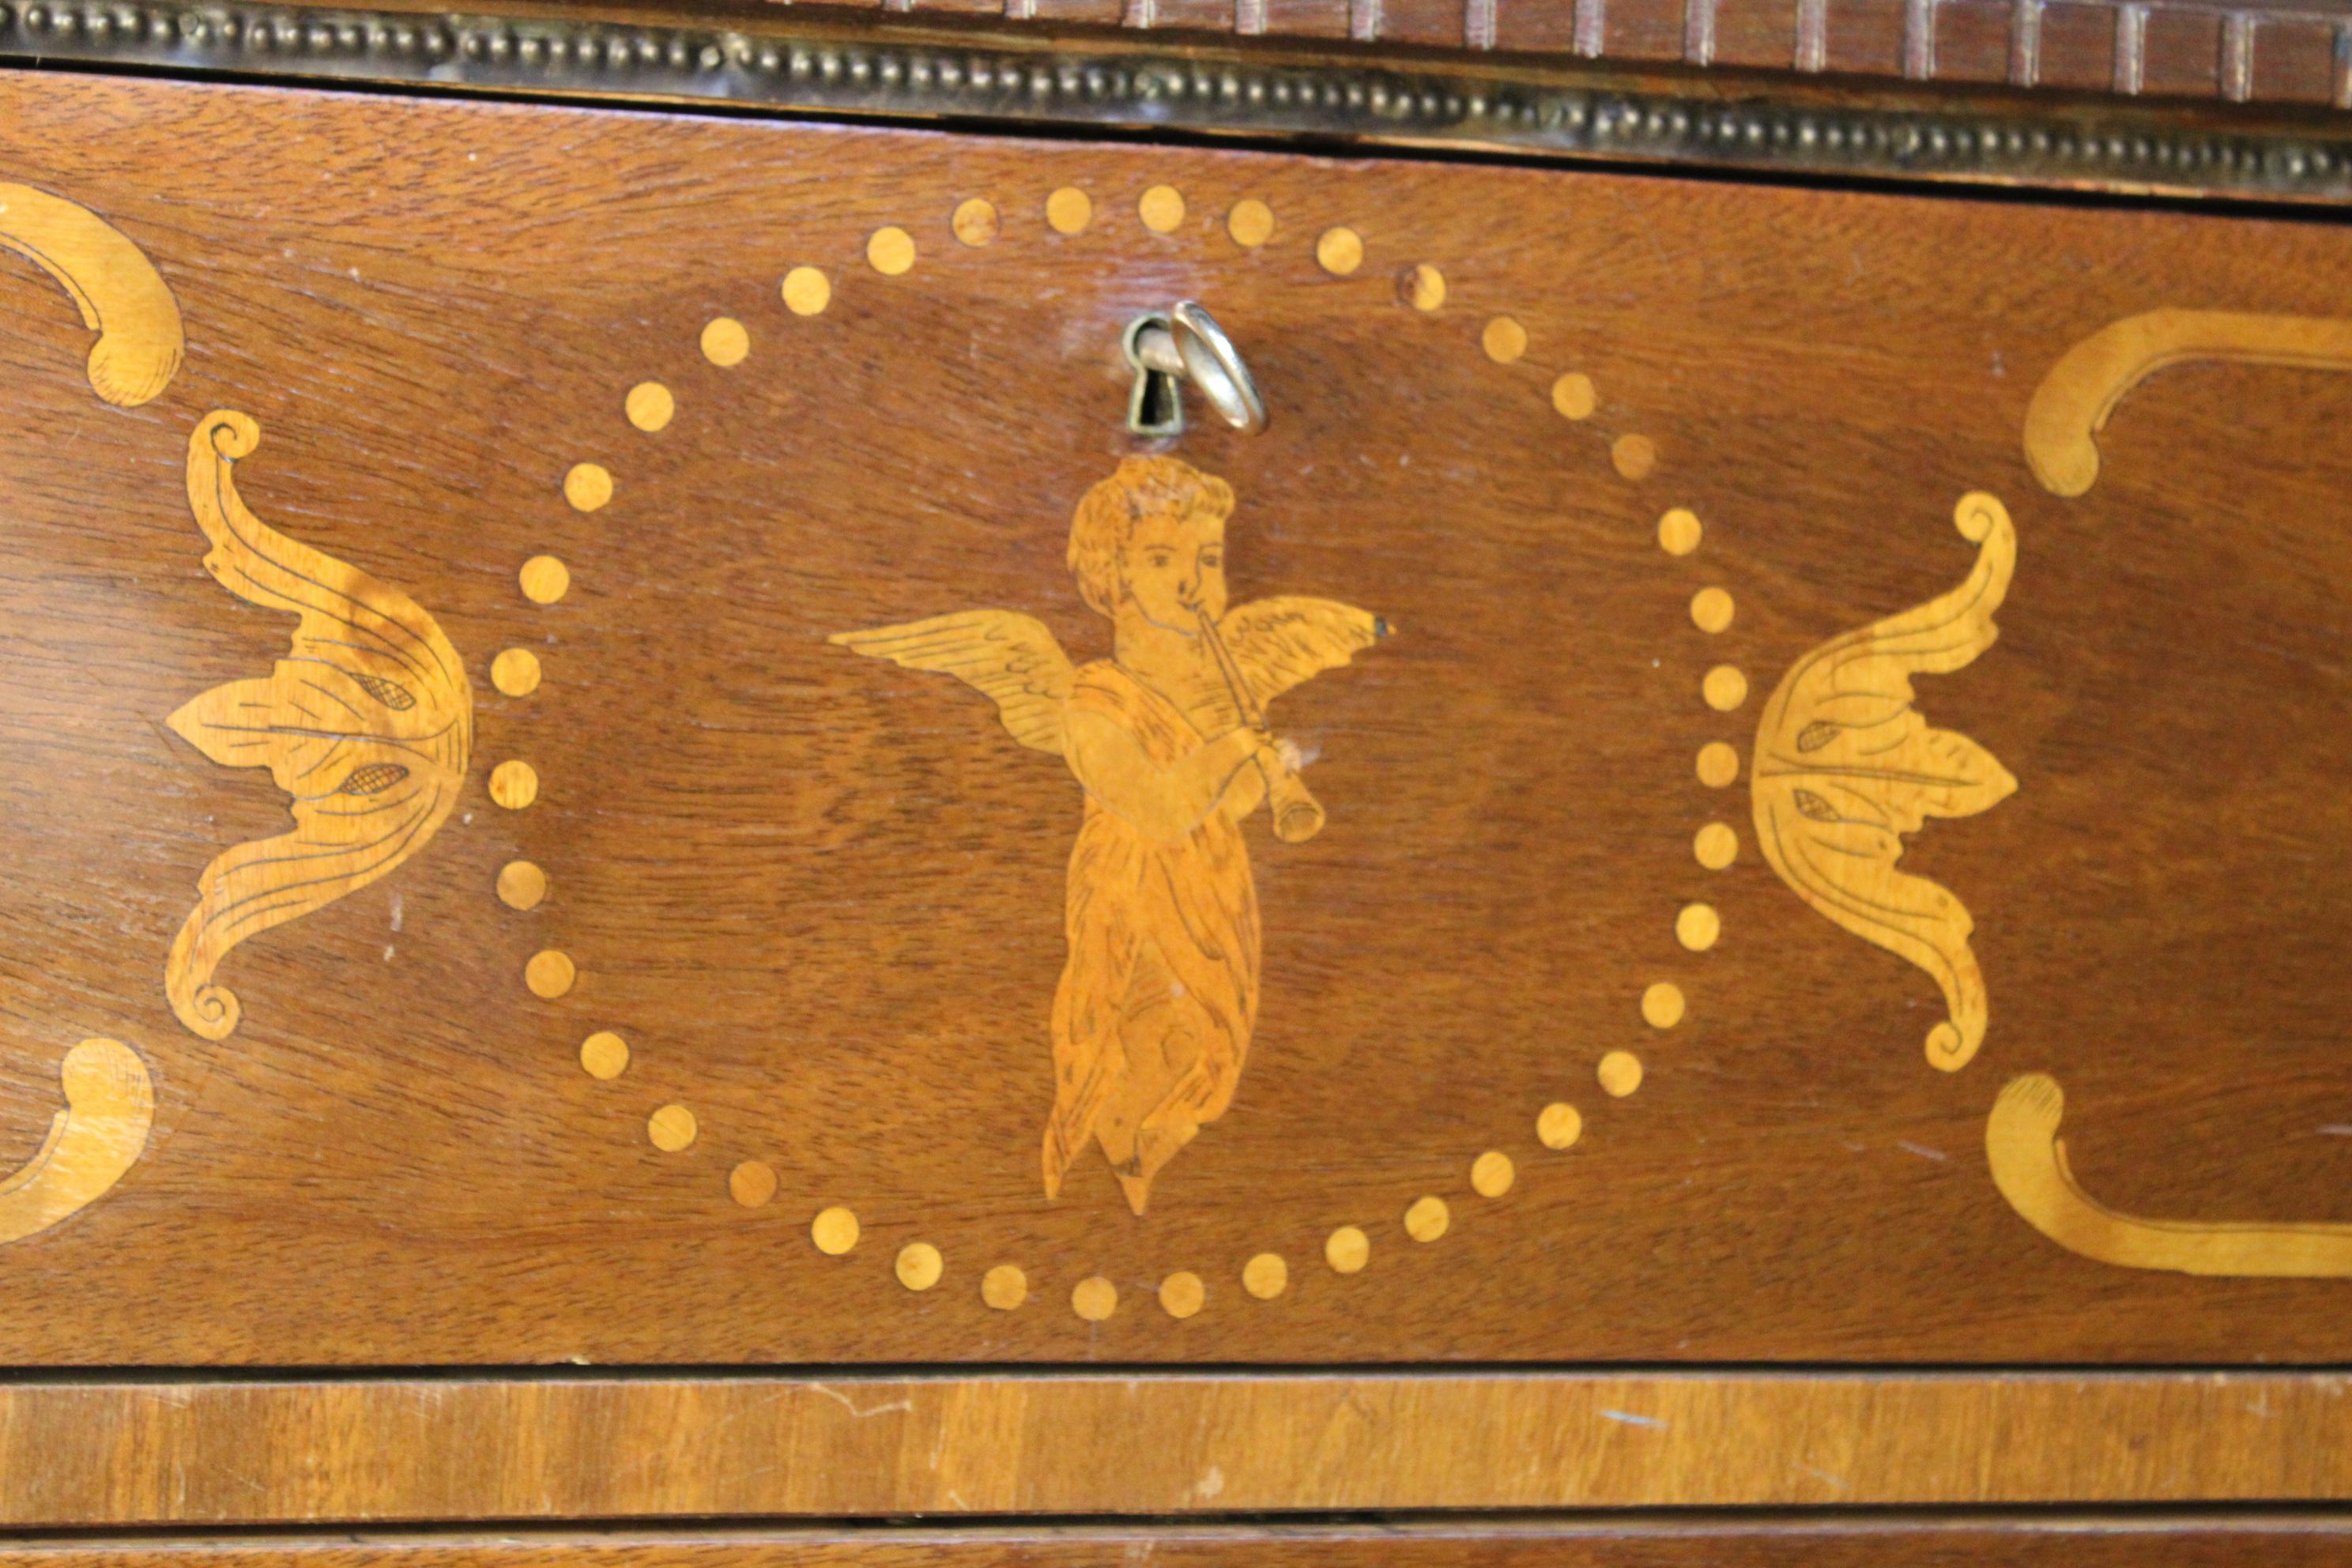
[[1168, 740]]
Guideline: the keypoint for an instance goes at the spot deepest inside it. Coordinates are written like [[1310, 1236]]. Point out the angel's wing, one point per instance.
[[1010, 658], [1278, 643]]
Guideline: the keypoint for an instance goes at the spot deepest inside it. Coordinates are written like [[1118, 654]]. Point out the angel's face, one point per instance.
[[1173, 571]]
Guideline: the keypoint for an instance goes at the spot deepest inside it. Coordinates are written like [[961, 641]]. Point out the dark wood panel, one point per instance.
[[221, 1454], [824, 899]]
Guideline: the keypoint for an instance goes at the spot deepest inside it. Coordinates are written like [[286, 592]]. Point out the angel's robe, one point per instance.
[[1152, 1017]]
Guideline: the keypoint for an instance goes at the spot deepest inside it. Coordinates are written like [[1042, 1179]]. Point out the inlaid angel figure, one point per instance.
[[1168, 738]]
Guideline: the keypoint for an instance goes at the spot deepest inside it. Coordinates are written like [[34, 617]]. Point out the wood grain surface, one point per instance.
[[716, 1022], [2062, 1542], [549, 1447]]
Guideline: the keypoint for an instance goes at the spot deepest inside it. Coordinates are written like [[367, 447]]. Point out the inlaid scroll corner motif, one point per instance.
[[120, 294], [1846, 766], [2029, 1167], [367, 724], [2074, 402], [93, 1143]]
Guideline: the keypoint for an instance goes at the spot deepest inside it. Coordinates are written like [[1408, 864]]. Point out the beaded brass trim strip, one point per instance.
[[2009, 142]]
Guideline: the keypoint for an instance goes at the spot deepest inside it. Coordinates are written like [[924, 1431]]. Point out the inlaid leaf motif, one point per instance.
[[367, 722], [1845, 766]]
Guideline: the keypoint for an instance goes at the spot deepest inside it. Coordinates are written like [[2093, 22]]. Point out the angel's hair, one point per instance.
[[1107, 516]]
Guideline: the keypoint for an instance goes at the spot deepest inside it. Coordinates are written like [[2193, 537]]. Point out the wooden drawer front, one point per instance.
[[2063, 1543], [685, 947]]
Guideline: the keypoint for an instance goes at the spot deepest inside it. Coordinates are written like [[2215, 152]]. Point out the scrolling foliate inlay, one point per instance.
[[367, 724], [1152, 1019], [1846, 766]]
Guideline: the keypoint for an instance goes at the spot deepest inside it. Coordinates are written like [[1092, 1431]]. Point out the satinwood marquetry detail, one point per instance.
[[120, 294], [367, 724], [1845, 765], [2029, 1167], [109, 1106], [2074, 402], [1151, 1024]]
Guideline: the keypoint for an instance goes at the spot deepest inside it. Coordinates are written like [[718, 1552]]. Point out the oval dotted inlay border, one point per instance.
[[894, 251]]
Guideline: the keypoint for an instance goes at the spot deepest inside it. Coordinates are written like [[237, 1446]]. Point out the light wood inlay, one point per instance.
[[521, 885], [1161, 208], [807, 292], [1560, 1126], [120, 294], [1250, 223], [1339, 251]]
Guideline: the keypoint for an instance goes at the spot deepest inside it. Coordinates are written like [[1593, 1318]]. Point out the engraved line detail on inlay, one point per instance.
[[1845, 766], [367, 724]]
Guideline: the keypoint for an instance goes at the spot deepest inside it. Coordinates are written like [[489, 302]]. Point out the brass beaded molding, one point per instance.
[[2132, 148]]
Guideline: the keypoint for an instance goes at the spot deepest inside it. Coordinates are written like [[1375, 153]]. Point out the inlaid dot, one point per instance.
[[920, 1266], [1698, 927], [521, 885], [751, 1184], [1492, 1173], [544, 579], [725, 342], [1661, 1005], [1723, 688], [587, 486], [1633, 456], [1620, 1073], [1560, 1125], [515, 672], [1715, 846], [1339, 251], [1679, 531], [1070, 210], [649, 406], [1265, 1276], [1347, 1250], [807, 292], [1161, 209], [1093, 1299], [1182, 1294], [1504, 340], [605, 1055], [976, 222], [1711, 610], [1005, 1287], [1573, 396], [1427, 1218], [550, 974], [1250, 223], [672, 1129], [890, 251], [1422, 285], [514, 784], [1718, 764], [834, 1231]]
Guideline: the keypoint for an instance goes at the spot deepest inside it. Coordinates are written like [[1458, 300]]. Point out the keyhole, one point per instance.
[[1156, 406]]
